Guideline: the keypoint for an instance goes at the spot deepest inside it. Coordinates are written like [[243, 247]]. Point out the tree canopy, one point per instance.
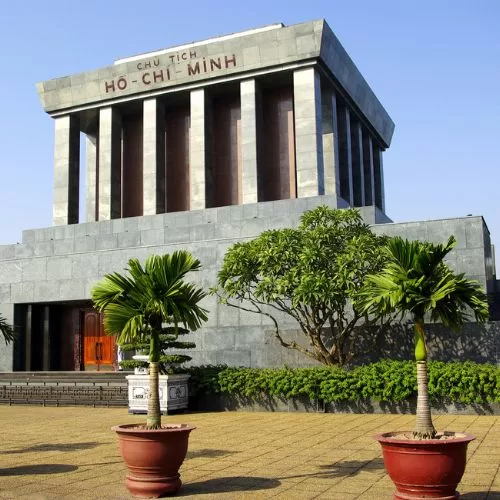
[[313, 274]]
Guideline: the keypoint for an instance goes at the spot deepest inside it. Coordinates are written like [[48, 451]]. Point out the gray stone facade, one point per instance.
[[262, 49], [308, 56], [62, 263]]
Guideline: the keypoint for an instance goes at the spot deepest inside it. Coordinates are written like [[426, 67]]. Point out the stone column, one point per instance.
[[65, 208], [378, 171], [345, 158], [153, 157], [92, 156], [248, 92], [308, 136], [109, 164], [46, 339], [28, 331], [358, 181], [197, 150], [330, 142], [368, 168]]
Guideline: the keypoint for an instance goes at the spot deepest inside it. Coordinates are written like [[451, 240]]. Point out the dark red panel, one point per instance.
[[277, 168], [227, 152], [132, 166], [177, 153]]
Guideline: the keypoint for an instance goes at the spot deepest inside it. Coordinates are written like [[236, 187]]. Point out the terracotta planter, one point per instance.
[[153, 458], [429, 468]]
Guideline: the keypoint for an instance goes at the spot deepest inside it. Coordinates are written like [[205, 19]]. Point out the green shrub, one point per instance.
[[386, 380]]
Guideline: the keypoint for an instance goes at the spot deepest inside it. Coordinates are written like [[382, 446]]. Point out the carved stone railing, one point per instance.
[[63, 388]]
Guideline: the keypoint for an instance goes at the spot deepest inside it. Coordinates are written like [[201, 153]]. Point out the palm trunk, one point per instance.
[[424, 428], [153, 420]]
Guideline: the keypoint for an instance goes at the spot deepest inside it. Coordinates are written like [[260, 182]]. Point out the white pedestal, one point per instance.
[[173, 392]]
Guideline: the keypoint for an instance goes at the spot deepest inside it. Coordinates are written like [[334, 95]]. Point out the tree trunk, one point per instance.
[[153, 420], [424, 428]]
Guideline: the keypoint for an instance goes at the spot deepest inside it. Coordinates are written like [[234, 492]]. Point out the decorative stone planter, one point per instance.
[[173, 392]]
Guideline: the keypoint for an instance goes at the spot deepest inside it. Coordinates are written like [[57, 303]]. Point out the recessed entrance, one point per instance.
[[61, 336], [98, 348]]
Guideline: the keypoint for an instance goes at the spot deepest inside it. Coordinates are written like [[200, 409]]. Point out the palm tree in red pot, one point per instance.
[[418, 283]]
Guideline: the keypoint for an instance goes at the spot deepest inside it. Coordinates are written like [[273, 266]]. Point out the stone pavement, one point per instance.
[[52, 453]]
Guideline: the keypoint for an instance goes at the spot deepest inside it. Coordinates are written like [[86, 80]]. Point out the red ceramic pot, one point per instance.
[[153, 458], [427, 468]]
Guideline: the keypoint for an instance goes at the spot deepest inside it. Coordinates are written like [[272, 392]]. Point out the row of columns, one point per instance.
[[334, 154]]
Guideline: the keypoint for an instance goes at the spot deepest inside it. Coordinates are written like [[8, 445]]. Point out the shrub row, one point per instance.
[[386, 380]]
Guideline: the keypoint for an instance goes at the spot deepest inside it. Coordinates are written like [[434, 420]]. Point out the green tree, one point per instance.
[[138, 306], [6, 330], [417, 281], [313, 274]]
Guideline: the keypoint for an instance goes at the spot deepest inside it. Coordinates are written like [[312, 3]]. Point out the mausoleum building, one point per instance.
[[196, 147]]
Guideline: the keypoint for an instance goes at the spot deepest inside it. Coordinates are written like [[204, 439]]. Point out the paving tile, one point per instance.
[[231, 455]]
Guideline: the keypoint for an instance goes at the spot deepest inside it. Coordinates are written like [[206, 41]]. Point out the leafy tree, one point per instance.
[[6, 330], [313, 274], [138, 307], [417, 281]]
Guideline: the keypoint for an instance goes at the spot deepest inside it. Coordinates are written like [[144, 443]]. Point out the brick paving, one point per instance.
[[52, 453]]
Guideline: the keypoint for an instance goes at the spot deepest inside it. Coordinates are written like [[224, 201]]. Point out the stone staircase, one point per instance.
[[64, 388]]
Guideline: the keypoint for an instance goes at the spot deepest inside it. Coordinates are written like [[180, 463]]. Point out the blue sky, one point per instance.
[[435, 66]]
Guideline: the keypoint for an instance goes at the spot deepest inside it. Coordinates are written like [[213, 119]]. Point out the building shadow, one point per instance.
[[55, 447], [342, 469], [228, 484], [27, 470], [207, 453], [481, 495]]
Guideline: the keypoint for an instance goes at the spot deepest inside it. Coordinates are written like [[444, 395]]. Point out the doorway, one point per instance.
[[98, 348]]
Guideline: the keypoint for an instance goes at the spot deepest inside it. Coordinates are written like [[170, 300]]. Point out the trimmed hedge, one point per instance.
[[386, 380]]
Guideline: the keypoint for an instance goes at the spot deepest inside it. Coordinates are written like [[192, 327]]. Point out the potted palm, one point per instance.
[[417, 282], [137, 307]]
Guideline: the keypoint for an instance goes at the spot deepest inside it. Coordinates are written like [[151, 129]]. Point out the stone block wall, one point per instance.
[[470, 255], [62, 263]]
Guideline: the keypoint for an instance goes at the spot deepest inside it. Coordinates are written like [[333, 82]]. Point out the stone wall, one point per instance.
[[62, 263]]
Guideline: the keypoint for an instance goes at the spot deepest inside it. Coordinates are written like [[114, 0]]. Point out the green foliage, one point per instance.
[[313, 274], [6, 330], [204, 379], [165, 361], [167, 340], [416, 280], [386, 380], [136, 305], [464, 382]]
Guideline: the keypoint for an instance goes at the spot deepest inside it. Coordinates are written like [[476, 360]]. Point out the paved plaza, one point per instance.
[[51, 453]]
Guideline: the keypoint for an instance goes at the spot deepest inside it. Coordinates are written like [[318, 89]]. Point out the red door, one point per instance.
[[98, 348]]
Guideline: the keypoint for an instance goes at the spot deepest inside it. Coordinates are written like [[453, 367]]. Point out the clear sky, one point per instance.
[[434, 65]]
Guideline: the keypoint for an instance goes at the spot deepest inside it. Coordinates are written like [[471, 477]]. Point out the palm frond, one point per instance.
[[6, 330], [416, 280]]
